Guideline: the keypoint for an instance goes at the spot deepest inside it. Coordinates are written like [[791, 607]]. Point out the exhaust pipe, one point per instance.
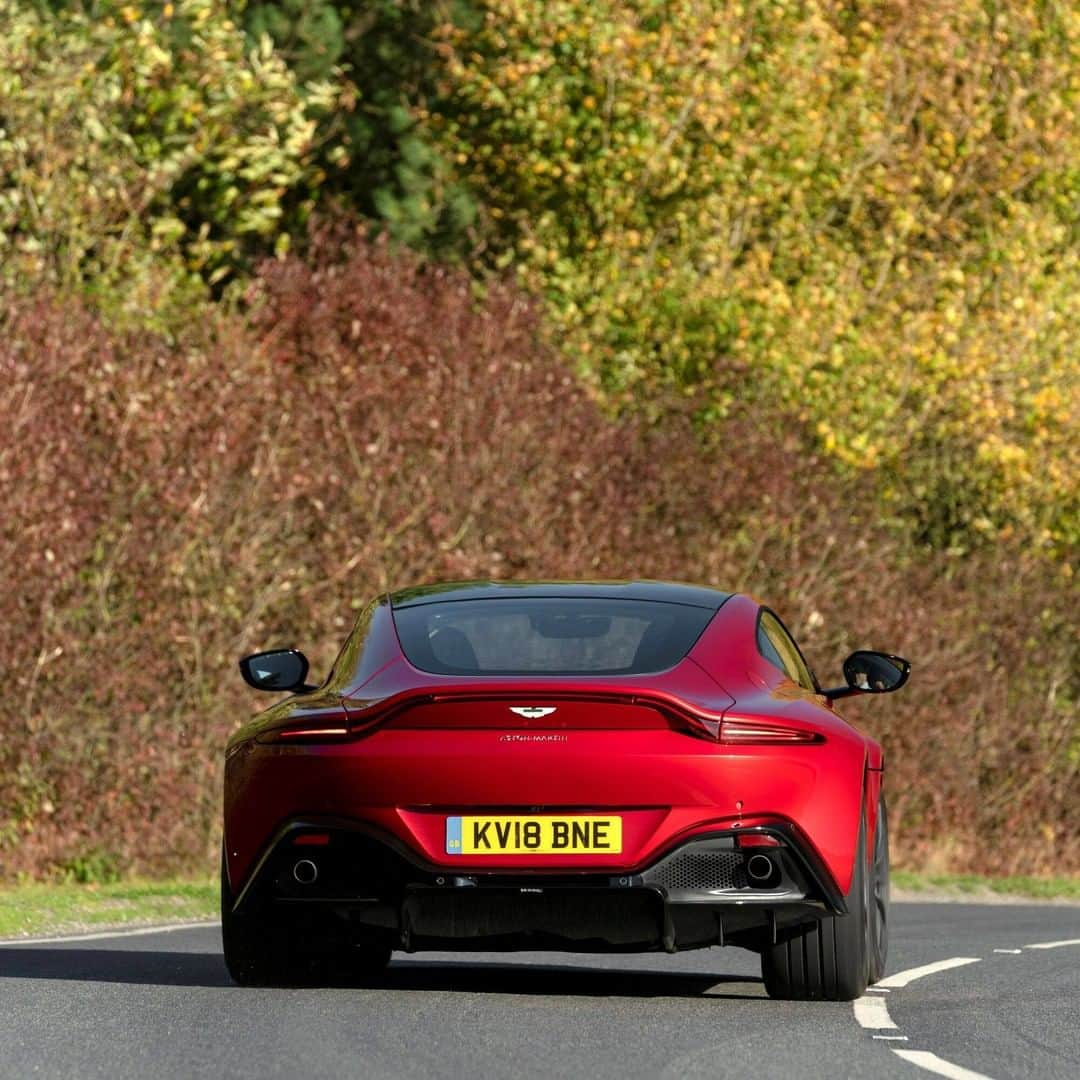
[[305, 872], [761, 871]]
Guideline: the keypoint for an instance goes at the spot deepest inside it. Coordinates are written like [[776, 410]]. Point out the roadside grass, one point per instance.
[[32, 909], [975, 887]]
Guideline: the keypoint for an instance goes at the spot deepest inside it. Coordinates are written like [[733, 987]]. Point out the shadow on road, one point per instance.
[[565, 979], [208, 970], [114, 966]]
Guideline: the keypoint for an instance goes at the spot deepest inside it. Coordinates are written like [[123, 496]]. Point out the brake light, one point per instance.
[[334, 726], [748, 732], [324, 727]]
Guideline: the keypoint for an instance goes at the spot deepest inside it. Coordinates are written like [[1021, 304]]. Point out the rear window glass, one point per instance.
[[548, 636]]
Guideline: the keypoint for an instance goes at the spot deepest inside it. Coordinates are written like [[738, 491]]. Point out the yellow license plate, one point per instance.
[[575, 834]]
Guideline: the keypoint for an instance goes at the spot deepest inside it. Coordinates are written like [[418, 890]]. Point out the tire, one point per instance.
[[879, 897], [260, 951], [250, 945], [829, 961]]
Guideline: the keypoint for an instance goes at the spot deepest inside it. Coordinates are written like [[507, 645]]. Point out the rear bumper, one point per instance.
[[367, 886]]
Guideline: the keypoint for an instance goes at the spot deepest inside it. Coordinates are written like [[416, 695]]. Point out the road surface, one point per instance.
[[160, 1004]]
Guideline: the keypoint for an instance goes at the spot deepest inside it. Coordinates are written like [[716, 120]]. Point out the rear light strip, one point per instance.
[[334, 727], [750, 732], [312, 733], [730, 731]]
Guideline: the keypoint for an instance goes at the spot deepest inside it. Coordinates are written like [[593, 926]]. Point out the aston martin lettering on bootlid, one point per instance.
[[532, 738], [531, 712]]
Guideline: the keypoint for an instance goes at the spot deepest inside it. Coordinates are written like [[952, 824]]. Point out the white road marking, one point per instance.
[[1054, 944], [137, 931], [902, 978], [877, 990], [931, 1062], [872, 1012], [1014, 952]]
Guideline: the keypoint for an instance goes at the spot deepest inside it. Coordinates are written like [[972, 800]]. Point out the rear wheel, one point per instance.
[[879, 897], [830, 960], [252, 949], [262, 951]]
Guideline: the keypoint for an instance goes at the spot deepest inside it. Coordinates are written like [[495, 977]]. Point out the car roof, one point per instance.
[[661, 591]]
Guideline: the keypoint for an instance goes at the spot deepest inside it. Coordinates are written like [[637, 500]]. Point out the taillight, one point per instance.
[[312, 733], [320, 727], [748, 732], [337, 725]]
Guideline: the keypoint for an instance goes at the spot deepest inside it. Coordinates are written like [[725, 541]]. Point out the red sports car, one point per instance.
[[591, 767]]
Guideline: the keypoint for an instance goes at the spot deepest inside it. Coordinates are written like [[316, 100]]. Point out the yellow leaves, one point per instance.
[[132, 113], [870, 216], [1049, 402], [827, 436]]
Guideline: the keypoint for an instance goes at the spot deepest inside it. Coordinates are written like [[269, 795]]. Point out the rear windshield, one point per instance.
[[548, 636]]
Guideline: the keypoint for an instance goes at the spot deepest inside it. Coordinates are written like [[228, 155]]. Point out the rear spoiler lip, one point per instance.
[[538, 695], [362, 717]]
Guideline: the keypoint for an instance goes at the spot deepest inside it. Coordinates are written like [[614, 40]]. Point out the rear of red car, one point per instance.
[[571, 767]]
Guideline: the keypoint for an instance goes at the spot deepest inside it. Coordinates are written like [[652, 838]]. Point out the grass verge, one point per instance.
[[28, 910], [975, 887]]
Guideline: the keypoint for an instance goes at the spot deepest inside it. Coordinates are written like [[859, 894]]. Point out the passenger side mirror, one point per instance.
[[277, 671], [870, 672]]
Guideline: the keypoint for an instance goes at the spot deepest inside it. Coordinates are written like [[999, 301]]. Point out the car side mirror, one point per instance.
[[277, 671], [870, 672]]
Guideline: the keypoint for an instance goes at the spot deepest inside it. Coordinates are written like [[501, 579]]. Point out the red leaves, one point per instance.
[[375, 426]]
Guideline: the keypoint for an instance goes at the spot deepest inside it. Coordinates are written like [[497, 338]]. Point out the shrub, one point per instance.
[[182, 503], [144, 153], [379, 160], [866, 212]]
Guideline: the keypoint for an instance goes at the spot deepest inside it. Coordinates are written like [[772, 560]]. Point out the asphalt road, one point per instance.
[[161, 1005]]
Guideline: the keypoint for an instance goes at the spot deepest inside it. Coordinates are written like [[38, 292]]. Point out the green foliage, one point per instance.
[[864, 213], [968, 885], [385, 164], [309, 34], [32, 908], [93, 867], [144, 153]]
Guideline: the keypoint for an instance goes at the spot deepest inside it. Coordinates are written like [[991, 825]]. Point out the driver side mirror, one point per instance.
[[870, 672], [277, 671]]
